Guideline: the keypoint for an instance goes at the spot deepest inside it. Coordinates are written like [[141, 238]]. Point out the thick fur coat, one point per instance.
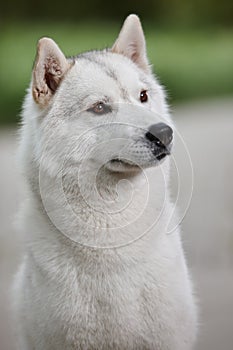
[[100, 271]]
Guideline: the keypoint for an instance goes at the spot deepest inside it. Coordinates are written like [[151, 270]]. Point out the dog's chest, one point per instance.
[[103, 310]]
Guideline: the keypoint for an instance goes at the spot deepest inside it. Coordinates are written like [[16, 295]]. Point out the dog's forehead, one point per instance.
[[110, 68]]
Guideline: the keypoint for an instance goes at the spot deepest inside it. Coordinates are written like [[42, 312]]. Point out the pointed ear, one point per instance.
[[49, 69], [131, 42]]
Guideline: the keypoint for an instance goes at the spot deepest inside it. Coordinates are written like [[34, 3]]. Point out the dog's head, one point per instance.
[[101, 106]]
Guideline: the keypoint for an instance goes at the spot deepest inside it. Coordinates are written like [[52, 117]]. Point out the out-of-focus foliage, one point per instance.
[[170, 11], [190, 43]]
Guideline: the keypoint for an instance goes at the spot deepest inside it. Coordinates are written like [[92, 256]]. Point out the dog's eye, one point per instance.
[[100, 108], [143, 96]]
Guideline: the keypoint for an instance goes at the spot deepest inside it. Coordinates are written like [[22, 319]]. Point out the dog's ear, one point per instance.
[[131, 42], [49, 69]]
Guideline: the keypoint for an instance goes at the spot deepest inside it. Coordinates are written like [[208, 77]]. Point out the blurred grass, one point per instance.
[[190, 63]]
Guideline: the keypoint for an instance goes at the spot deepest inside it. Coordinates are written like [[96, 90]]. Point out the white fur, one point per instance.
[[91, 278]]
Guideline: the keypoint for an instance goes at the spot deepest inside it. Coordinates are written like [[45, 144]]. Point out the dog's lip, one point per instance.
[[123, 161], [158, 154], [162, 155]]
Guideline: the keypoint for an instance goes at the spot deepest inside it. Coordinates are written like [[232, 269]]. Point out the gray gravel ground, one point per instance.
[[207, 129]]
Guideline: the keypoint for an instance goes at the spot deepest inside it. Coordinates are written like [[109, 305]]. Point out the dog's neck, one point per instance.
[[101, 208]]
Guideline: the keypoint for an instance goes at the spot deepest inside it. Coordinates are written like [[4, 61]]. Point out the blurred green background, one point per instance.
[[190, 43]]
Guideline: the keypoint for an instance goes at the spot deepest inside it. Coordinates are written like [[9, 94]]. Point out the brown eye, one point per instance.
[[143, 96], [100, 108]]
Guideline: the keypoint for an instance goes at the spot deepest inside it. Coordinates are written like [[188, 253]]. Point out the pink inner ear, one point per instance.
[[131, 43], [53, 73], [53, 66], [50, 67], [135, 56], [50, 81]]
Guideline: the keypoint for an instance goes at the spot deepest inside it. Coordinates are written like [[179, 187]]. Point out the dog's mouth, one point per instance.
[[129, 164], [120, 164], [123, 162], [161, 152], [162, 155]]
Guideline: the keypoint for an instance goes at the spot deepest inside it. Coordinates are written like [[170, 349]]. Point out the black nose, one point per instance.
[[160, 134]]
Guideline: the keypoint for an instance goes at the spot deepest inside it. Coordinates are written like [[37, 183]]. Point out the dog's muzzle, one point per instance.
[[160, 136]]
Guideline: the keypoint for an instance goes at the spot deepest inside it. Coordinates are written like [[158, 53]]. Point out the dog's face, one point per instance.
[[102, 107]]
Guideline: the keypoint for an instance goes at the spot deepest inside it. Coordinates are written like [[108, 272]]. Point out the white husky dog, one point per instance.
[[100, 270]]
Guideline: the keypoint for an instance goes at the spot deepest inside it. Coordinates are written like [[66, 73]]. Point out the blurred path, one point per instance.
[[9, 244], [208, 226]]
